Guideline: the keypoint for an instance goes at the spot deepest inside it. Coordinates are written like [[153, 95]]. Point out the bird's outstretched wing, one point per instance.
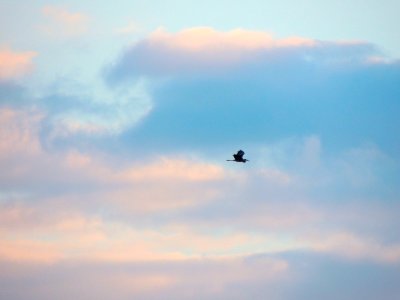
[[240, 153]]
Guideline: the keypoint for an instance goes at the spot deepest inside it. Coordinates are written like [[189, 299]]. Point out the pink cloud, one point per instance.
[[170, 183], [150, 186], [19, 133], [72, 236], [26, 250], [204, 49], [24, 161], [62, 22], [189, 279], [200, 39], [80, 238], [356, 247], [15, 64], [177, 168]]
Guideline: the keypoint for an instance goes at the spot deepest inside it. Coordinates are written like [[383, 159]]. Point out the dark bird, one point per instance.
[[238, 157]]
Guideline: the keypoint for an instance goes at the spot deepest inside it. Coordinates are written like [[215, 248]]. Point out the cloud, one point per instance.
[[127, 185], [187, 201], [184, 227], [213, 87], [73, 237], [204, 50], [30, 166], [129, 29], [211, 278], [62, 22], [13, 64], [20, 138], [39, 252], [357, 248], [191, 188], [257, 276], [75, 109], [204, 39], [168, 169], [19, 132]]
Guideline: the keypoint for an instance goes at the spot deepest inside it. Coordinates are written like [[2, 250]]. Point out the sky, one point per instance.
[[116, 121]]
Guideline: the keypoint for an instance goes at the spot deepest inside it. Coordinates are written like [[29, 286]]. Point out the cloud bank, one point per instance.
[[125, 187]]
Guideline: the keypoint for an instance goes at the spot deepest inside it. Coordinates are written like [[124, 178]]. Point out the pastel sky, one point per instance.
[[116, 121]]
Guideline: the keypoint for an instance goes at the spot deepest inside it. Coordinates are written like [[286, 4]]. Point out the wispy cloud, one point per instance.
[[19, 132], [357, 248], [129, 29], [15, 64], [62, 22]]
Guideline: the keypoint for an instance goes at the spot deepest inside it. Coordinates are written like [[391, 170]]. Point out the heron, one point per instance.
[[238, 157]]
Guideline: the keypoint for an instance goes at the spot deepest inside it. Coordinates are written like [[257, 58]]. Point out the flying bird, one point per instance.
[[238, 157]]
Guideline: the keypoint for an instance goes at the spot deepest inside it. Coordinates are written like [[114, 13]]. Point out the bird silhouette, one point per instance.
[[238, 157]]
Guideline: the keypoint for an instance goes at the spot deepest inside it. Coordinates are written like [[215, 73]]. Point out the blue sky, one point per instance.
[[116, 120]]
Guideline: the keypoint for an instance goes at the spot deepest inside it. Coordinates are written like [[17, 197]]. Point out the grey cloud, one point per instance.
[[307, 276]]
